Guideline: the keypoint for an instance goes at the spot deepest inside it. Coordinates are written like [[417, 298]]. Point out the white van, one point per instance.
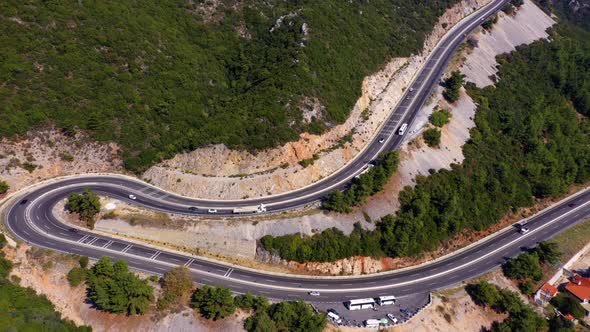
[[334, 317], [372, 323]]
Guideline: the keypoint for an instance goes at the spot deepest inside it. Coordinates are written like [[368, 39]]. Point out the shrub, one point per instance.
[[3, 241], [83, 261], [364, 186], [490, 22], [28, 166], [67, 157], [175, 283], [548, 252], [432, 137], [440, 118], [76, 276], [3, 186]]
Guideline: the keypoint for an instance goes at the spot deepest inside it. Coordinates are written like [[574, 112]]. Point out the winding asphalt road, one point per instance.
[[30, 219]]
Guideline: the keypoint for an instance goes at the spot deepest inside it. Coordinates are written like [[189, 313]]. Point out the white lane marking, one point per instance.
[[83, 238], [92, 241], [156, 254], [190, 261], [127, 248], [106, 245], [229, 271], [548, 224]]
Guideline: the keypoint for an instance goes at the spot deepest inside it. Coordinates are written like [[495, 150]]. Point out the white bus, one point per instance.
[[386, 300], [402, 129], [372, 323], [360, 304]]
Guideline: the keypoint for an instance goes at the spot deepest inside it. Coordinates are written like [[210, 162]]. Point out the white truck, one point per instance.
[[250, 209]]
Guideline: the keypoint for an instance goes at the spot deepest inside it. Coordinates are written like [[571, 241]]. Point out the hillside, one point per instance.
[[160, 77]]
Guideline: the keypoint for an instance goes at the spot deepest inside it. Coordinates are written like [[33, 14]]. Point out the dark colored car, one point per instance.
[[73, 230], [571, 204], [193, 208], [24, 201]]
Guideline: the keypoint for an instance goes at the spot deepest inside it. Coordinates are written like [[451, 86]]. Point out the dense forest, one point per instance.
[[161, 77], [531, 140], [21, 309]]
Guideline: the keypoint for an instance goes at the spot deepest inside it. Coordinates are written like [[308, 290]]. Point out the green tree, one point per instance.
[[524, 320], [484, 293], [250, 302], [113, 288], [260, 322], [568, 305], [453, 86], [86, 204], [524, 266], [559, 324], [548, 252], [432, 137], [3, 186], [214, 302]]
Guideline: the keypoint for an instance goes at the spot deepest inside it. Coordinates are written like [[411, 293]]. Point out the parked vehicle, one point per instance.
[[133, 197], [372, 323], [333, 316], [392, 318]]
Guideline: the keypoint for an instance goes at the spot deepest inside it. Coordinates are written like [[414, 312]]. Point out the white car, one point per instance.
[[523, 230], [392, 318], [381, 140], [212, 210], [314, 293], [131, 196]]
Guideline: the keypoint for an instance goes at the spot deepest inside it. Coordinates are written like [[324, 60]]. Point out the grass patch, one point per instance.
[[573, 240]]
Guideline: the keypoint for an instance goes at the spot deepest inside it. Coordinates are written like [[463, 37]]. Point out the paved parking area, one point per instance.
[[404, 308]]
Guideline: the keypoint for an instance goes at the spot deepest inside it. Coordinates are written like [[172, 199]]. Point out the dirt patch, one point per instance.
[[47, 153], [527, 25], [45, 272]]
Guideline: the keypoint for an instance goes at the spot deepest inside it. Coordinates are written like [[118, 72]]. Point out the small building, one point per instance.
[[571, 318], [579, 287], [545, 294]]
